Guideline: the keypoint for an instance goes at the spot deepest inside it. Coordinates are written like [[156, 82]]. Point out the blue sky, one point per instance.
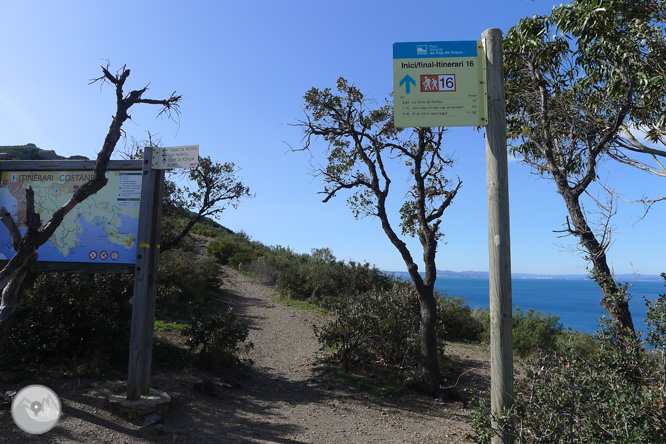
[[243, 68]]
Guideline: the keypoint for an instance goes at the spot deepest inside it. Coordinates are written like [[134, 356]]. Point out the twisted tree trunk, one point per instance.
[[613, 299], [13, 274]]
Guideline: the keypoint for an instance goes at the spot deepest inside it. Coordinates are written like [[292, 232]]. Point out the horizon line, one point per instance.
[[518, 273]]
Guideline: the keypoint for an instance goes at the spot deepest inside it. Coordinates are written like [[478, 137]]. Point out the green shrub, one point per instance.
[[78, 321], [615, 394], [217, 337], [82, 321], [383, 326], [209, 228], [456, 319], [583, 344], [235, 250], [263, 270], [175, 219], [169, 326], [289, 271], [185, 279], [189, 290], [656, 321], [317, 276], [375, 326], [533, 330]]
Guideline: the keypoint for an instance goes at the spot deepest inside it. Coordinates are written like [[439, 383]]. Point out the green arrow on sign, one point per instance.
[[407, 80]]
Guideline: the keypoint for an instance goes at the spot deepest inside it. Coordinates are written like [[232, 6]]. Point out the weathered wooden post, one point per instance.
[[145, 280], [499, 243], [155, 162], [151, 290]]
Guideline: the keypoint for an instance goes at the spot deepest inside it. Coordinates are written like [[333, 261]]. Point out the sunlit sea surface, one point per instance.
[[576, 301]]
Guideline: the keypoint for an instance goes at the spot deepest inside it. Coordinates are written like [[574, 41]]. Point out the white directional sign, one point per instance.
[[439, 84], [170, 157]]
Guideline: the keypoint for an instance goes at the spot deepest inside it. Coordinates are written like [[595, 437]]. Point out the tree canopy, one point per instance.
[[579, 81], [362, 142], [216, 187]]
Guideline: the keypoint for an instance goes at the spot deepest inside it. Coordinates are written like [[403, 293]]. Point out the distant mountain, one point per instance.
[[485, 275], [30, 151], [467, 274]]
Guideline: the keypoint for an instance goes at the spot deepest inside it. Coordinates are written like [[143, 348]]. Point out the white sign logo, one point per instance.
[[36, 409]]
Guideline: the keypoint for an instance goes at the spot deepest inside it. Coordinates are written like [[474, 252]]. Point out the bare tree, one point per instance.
[[36, 234], [361, 141]]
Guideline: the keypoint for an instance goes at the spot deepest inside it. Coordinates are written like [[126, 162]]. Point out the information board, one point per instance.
[[100, 230], [439, 84]]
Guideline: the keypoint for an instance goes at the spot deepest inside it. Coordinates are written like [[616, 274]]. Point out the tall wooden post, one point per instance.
[[151, 290], [145, 279], [499, 244]]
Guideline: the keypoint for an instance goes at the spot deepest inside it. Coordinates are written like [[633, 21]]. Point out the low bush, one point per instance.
[[216, 337], [583, 344], [283, 269], [81, 323], [185, 279], [263, 270], [318, 276], [209, 228], [382, 326], [614, 394], [236, 250], [189, 292], [175, 220], [378, 326], [533, 330], [457, 320], [77, 321], [656, 322]]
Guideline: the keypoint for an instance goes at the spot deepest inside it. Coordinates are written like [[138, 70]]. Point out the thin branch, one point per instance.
[[623, 158], [450, 195], [568, 231], [633, 144]]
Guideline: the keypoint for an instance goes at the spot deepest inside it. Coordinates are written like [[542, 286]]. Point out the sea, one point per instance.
[[575, 301]]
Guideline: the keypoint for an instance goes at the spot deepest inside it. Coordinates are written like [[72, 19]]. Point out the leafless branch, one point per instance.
[[568, 230]]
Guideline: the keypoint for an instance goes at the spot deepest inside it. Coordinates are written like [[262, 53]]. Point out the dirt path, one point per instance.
[[278, 399], [295, 406]]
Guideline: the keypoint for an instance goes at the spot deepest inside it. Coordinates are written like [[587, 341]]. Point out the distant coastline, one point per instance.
[[485, 275]]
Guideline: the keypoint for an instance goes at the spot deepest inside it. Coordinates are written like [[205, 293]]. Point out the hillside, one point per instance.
[[30, 151]]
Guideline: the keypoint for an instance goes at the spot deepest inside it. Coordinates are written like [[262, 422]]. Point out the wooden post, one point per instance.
[[141, 304], [499, 244], [151, 290]]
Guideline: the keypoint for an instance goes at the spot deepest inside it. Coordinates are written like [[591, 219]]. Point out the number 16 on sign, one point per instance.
[[438, 82]]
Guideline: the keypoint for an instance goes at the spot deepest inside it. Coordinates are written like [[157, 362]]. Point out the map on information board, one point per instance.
[[101, 229]]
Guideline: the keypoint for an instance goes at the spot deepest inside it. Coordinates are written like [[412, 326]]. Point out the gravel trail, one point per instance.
[[280, 398]]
